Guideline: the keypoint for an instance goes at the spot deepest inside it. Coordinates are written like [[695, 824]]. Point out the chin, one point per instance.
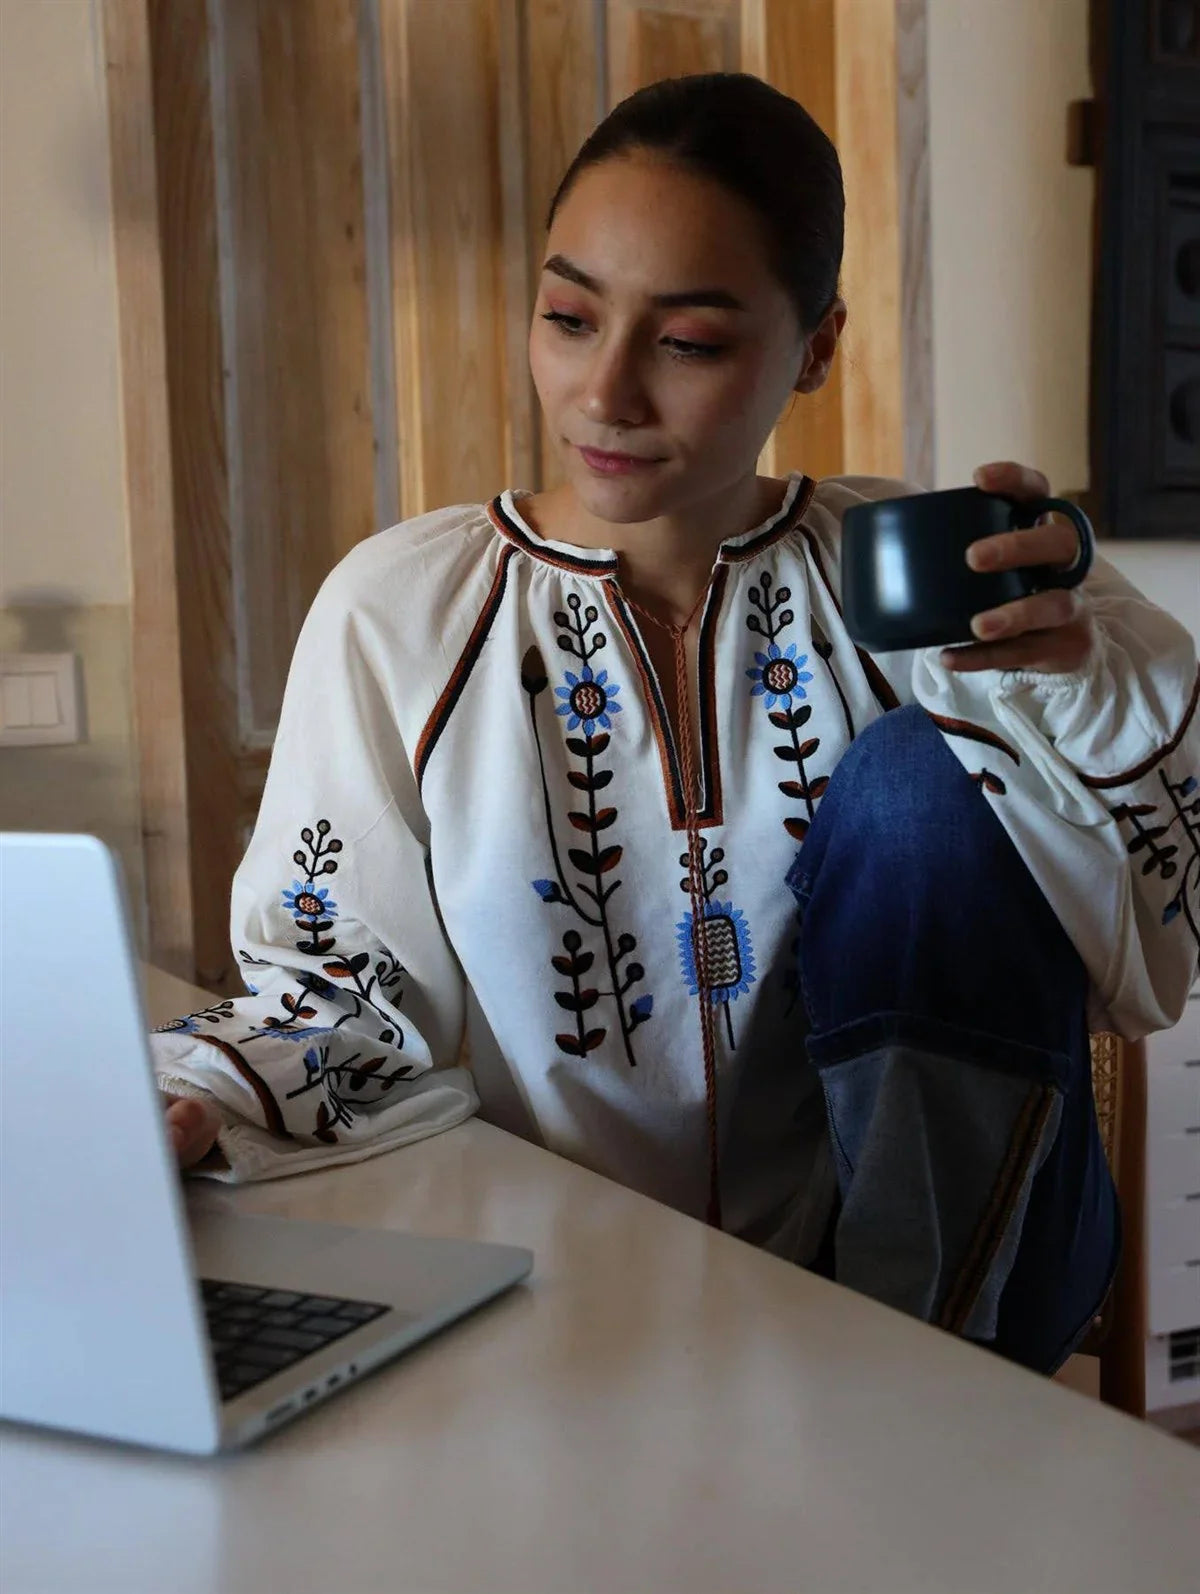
[[622, 501]]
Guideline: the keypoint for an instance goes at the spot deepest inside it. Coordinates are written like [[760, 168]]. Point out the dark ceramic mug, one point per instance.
[[905, 579]]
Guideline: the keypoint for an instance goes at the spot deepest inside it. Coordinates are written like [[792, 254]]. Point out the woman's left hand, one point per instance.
[[1050, 631]]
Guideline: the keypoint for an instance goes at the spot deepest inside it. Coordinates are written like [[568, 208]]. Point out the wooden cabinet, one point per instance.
[[1145, 429]]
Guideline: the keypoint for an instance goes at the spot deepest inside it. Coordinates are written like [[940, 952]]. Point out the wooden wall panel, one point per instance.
[[872, 358], [187, 217], [653, 39], [287, 113], [566, 93], [566, 97], [156, 658], [916, 264], [518, 260], [793, 45], [837, 57], [441, 72]]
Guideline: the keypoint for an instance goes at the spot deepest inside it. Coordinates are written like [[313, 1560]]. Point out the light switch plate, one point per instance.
[[39, 699]]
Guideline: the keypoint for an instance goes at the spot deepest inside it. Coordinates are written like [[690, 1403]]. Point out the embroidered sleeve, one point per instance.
[[353, 998], [1096, 775]]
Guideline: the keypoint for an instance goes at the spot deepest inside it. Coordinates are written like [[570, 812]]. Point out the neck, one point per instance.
[[666, 563]]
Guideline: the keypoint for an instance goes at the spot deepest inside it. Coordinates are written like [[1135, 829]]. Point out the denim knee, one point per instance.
[[909, 882], [900, 798]]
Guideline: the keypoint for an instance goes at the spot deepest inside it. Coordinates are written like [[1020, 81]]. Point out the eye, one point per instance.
[[683, 350], [571, 325]]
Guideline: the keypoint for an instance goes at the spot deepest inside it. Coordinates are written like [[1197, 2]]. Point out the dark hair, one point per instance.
[[761, 146]]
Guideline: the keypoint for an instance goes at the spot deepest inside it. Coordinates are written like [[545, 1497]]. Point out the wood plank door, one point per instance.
[[351, 199]]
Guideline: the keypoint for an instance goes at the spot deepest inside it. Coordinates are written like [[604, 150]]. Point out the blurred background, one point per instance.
[[266, 268]]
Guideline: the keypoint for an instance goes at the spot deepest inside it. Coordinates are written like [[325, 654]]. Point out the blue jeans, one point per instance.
[[946, 1012]]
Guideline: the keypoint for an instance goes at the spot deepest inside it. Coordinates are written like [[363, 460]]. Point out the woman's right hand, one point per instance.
[[192, 1126]]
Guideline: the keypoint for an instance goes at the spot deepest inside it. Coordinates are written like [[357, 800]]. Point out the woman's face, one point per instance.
[[659, 332]]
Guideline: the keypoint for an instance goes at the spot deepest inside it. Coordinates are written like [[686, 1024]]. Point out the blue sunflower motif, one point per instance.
[[723, 947], [779, 675], [589, 700], [305, 901]]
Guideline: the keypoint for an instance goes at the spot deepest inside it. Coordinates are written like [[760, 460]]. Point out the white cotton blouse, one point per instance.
[[478, 828]]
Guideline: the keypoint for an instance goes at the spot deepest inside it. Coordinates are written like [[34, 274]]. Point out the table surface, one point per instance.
[[660, 1408]]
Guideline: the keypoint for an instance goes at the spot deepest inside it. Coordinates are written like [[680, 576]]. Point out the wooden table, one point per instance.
[[662, 1408]]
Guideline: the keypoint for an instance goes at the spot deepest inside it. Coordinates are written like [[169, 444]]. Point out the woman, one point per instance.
[[544, 765]]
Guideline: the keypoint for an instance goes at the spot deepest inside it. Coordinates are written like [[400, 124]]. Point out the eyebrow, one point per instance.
[[705, 298]]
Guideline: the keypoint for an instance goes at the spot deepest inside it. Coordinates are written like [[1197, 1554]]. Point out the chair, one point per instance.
[[1118, 1334]]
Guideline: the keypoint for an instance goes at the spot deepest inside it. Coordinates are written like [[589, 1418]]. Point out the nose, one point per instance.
[[613, 391]]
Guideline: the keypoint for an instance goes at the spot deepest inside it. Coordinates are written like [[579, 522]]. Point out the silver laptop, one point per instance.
[[119, 1316]]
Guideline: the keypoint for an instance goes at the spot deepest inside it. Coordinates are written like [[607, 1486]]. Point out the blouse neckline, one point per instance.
[[508, 521]]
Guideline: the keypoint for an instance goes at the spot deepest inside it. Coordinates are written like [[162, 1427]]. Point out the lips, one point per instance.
[[611, 464]]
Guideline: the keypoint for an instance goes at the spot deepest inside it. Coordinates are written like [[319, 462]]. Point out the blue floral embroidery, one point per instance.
[[779, 676], [178, 1026], [723, 947], [716, 957], [589, 700], [283, 1033], [306, 901]]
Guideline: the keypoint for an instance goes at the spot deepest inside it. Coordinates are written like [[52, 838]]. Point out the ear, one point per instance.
[[820, 348]]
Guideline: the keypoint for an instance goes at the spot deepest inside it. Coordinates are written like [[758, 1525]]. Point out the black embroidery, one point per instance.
[[780, 678], [989, 782], [1162, 856], [344, 978], [588, 703], [191, 1022]]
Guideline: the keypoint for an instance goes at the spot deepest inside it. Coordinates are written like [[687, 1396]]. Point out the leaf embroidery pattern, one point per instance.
[[983, 777], [193, 1023], [1161, 849], [780, 680], [588, 703], [348, 1082]]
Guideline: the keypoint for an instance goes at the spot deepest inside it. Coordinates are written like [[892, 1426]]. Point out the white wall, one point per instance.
[[1010, 225], [1011, 259], [64, 544], [63, 535]]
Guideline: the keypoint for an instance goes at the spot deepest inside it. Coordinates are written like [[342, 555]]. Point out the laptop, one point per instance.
[[121, 1314]]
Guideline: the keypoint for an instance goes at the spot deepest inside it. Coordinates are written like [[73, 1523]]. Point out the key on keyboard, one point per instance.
[[256, 1333]]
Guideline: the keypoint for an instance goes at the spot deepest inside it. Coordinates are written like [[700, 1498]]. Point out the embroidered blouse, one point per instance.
[[478, 828]]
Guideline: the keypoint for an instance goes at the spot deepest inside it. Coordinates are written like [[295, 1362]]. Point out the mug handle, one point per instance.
[[1044, 576]]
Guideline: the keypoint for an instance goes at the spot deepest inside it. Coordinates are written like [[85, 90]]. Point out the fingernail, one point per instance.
[[989, 625], [978, 558]]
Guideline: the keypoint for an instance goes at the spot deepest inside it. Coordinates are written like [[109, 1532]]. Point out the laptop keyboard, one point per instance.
[[256, 1333]]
